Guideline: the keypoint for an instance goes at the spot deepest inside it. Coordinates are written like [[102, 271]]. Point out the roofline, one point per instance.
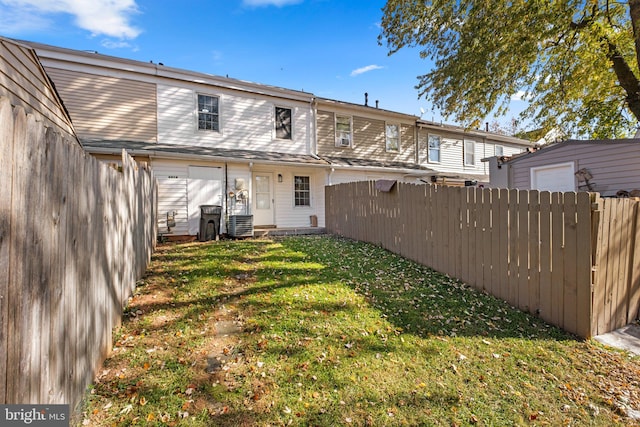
[[187, 156], [387, 169], [364, 108], [55, 53], [568, 142], [474, 132]]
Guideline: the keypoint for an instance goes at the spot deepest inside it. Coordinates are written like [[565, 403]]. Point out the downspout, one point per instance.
[[248, 207], [313, 149], [226, 197]]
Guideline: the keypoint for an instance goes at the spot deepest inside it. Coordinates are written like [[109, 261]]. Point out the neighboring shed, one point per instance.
[[604, 166]]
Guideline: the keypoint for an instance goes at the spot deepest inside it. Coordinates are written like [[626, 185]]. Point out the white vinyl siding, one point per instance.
[[172, 195], [286, 213], [246, 122]]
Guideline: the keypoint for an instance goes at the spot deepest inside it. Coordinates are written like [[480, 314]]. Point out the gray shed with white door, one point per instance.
[[604, 166]]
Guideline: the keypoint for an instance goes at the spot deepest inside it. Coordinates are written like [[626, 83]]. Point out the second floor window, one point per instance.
[[343, 131], [393, 137], [469, 153], [283, 123], [434, 148], [208, 116], [499, 150]]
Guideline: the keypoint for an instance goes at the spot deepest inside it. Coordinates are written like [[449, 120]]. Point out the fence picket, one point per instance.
[[578, 267], [545, 256], [512, 298], [570, 264], [55, 270], [634, 265], [6, 152], [486, 239], [523, 251], [583, 265], [534, 252], [503, 267]]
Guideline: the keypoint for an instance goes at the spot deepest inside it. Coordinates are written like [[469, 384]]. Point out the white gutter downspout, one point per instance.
[[250, 195]]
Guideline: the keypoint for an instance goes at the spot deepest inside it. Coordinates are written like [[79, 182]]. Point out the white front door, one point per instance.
[[263, 199], [204, 187]]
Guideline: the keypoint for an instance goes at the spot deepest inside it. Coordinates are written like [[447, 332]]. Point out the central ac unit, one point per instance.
[[241, 225]]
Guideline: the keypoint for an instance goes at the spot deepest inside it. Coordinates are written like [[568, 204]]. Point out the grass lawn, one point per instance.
[[326, 331]]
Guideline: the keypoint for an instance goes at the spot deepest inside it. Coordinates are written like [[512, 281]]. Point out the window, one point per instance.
[[469, 153], [343, 131], [208, 113], [499, 150], [434, 148], [283, 123], [302, 191], [393, 137]]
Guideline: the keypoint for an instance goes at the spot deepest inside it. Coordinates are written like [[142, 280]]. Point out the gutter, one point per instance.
[[183, 156]]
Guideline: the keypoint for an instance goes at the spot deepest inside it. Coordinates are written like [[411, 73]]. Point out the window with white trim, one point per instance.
[[392, 133], [208, 113], [434, 148], [283, 123], [498, 150], [301, 191], [344, 131], [469, 153]]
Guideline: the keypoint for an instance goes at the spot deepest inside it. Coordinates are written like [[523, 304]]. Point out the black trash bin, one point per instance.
[[209, 222]]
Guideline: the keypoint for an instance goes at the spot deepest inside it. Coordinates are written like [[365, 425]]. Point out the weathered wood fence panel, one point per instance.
[[571, 258], [75, 235]]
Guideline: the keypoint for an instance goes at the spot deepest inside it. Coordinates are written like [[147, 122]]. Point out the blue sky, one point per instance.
[[327, 47]]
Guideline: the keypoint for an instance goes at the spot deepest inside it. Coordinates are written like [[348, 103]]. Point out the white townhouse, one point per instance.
[[257, 151], [210, 140]]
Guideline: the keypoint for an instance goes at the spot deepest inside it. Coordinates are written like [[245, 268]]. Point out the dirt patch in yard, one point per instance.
[[204, 336]]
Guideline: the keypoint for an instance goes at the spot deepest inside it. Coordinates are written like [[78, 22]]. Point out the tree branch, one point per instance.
[[627, 79]]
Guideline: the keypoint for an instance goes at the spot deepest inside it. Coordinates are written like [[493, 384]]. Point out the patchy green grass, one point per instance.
[[326, 331]]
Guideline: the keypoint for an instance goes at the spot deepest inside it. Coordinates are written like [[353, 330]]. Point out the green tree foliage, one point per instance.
[[575, 60]]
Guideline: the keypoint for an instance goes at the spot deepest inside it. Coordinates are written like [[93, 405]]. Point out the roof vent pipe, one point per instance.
[[366, 99], [377, 103]]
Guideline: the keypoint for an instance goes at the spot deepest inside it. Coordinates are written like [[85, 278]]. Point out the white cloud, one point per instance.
[[100, 17], [112, 44], [277, 3], [366, 69], [519, 96], [13, 22]]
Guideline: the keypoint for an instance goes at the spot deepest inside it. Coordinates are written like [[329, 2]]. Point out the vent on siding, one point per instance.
[[241, 225]]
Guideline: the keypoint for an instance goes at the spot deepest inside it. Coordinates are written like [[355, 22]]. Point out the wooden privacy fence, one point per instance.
[[74, 237], [571, 258]]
